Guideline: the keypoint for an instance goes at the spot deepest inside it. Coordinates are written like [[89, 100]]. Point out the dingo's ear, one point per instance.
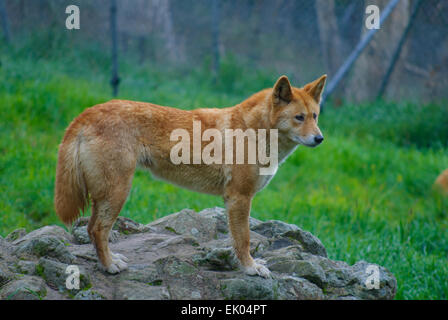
[[282, 91], [316, 88]]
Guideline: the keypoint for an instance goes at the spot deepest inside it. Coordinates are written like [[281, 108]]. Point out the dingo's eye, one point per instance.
[[314, 116], [300, 117]]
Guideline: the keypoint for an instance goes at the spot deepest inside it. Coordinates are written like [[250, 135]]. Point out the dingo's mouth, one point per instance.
[[317, 140], [312, 145]]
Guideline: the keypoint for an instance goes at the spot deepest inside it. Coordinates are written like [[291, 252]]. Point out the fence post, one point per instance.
[[115, 80], [397, 52], [348, 63]]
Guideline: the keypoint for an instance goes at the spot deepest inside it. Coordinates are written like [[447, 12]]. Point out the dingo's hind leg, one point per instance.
[[104, 215]]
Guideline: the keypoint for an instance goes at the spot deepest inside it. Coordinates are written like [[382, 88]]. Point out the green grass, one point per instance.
[[366, 192]]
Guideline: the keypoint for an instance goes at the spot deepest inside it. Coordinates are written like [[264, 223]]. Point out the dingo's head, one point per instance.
[[295, 111]]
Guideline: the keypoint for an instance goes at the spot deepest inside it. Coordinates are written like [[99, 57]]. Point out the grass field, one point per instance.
[[366, 192]]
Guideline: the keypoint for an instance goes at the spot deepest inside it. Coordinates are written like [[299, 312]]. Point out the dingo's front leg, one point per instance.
[[238, 208]]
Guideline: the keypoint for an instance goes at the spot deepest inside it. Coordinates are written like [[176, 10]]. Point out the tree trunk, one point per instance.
[[163, 20], [152, 20], [372, 65], [330, 40]]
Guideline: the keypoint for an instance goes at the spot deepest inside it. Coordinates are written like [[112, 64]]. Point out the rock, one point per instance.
[[187, 222], [309, 242], [25, 288], [272, 228], [88, 295], [26, 267], [16, 234], [349, 282], [130, 290], [45, 246], [281, 232], [294, 288], [47, 231], [146, 273], [279, 242], [258, 244], [81, 235], [55, 274], [173, 266], [127, 226], [301, 268], [219, 259], [362, 270], [338, 273], [4, 278], [196, 295], [291, 252], [184, 279], [186, 255], [248, 288]]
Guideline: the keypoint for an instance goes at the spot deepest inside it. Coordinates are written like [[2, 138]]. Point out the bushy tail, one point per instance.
[[71, 194]]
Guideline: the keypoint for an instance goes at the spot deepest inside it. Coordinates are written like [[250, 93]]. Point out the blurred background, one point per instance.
[[367, 192], [301, 38]]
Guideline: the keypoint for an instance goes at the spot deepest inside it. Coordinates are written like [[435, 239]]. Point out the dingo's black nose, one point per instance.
[[318, 139]]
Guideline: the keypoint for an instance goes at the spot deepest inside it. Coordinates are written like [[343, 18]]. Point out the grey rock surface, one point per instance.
[[81, 235], [25, 288], [44, 246], [16, 234], [185, 255]]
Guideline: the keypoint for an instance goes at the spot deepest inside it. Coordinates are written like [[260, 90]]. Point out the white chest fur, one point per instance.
[[263, 180]]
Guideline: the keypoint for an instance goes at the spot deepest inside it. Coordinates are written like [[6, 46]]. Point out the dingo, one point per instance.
[[103, 146], [442, 182]]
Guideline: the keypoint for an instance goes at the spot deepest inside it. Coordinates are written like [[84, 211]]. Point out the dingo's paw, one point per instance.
[[258, 269], [119, 256], [117, 265]]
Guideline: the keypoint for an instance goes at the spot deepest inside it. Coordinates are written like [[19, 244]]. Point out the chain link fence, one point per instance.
[[300, 38]]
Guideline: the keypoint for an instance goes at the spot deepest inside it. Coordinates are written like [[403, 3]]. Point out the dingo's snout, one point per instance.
[[313, 140], [318, 139]]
